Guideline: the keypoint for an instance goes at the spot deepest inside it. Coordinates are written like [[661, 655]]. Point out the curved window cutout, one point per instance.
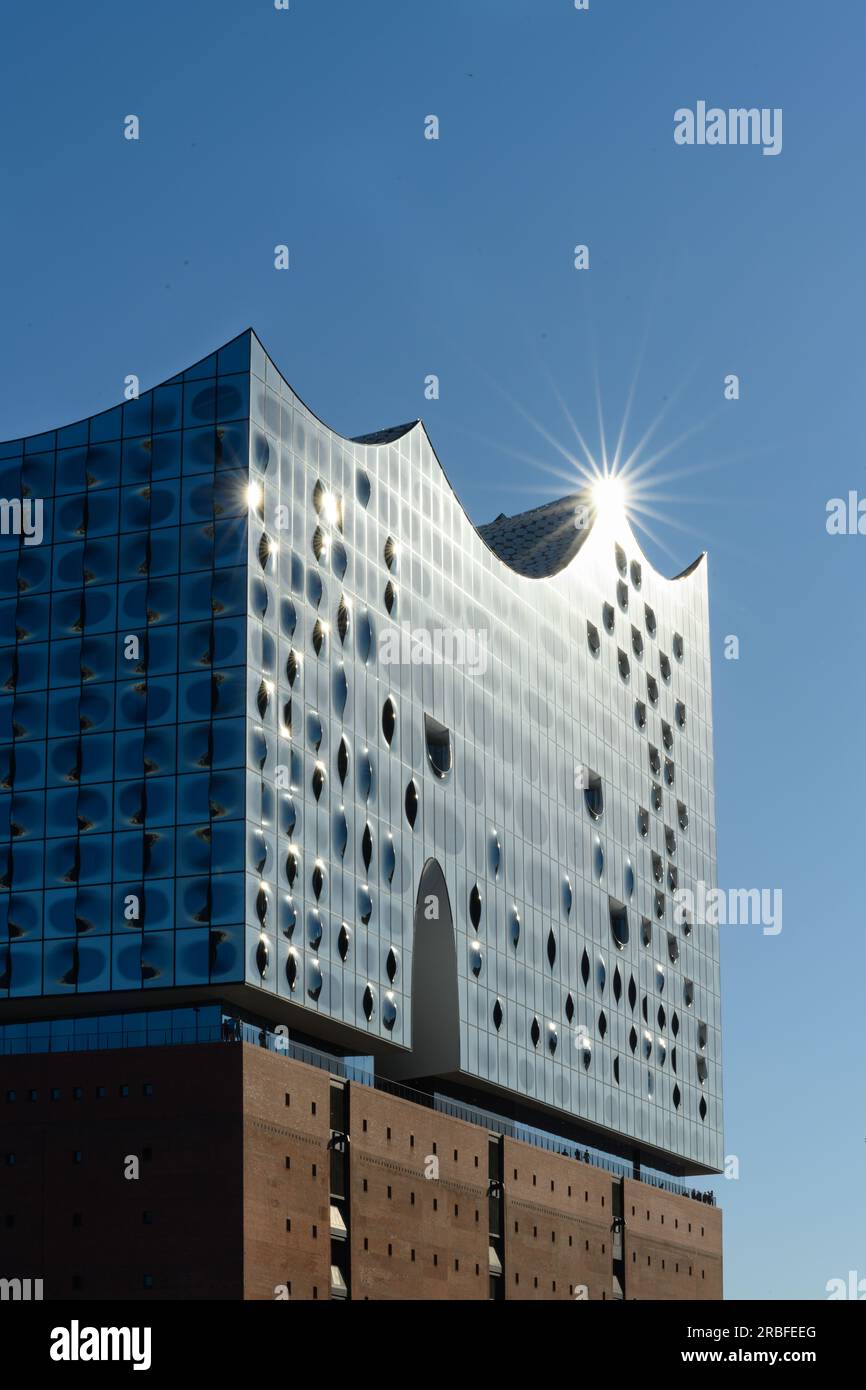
[[314, 730], [676, 1097], [293, 667], [656, 797], [642, 822], [616, 1070], [552, 1039], [318, 880], [597, 857], [364, 637], [569, 1008], [680, 713], [652, 690], [584, 968], [655, 761], [584, 1047], [391, 965], [341, 690], [678, 646], [673, 878], [320, 544], [288, 917], [476, 958], [593, 638], [389, 1012], [636, 575], [702, 1108], [364, 777], [688, 993], [263, 956], [619, 556], [682, 816], [475, 906], [263, 699], [674, 1058], [619, 924], [622, 595], [608, 617], [535, 1032], [389, 859], [292, 969], [288, 618], [368, 1002], [675, 1023], [667, 735], [314, 981], [293, 864], [669, 771], [662, 1017], [551, 948], [664, 667], [636, 642], [702, 1035], [339, 559], [617, 985], [367, 846], [632, 1038], [673, 949], [628, 879], [670, 840], [660, 906], [389, 720], [647, 1045], [438, 740], [319, 636], [391, 599], [649, 618], [602, 1024], [391, 554], [343, 761], [515, 927], [640, 714], [318, 780], [660, 979], [646, 931], [363, 487], [658, 868], [344, 940], [593, 794], [343, 619], [661, 1051], [412, 804], [365, 904], [497, 1015], [494, 853]]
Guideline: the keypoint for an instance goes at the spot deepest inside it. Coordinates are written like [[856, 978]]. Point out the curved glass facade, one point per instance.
[[254, 677]]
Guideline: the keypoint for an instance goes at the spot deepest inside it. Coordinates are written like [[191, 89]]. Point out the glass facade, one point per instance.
[[227, 757]]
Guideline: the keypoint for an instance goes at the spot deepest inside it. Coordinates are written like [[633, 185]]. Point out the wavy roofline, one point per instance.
[[390, 435]]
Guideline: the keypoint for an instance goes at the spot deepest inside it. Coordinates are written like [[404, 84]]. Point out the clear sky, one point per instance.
[[455, 257]]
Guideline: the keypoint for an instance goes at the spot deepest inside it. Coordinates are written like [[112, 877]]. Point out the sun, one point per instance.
[[610, 496]]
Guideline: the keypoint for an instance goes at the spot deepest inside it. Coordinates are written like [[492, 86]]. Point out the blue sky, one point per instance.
[[454, 257]]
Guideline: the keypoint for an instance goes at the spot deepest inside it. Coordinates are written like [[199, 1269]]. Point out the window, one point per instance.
[[389, 720], [642, 822], [622, 595], [649, 618], [652, 690], [669, 771], [680, 713], [667, 735], [646, 933], [670, 840], [636, 642], [656, 797], [678, 646], [619, 923], [636, 576], [412, 804], [438, 740], [593, 638], [623, 665], [655, 761], [608, 617], [682, 816], [619, 555], [593, 794], [640, 714], [665, 667]]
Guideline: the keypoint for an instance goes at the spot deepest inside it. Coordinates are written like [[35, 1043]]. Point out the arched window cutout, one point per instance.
[[593, 638], [608, 617], [412, 804], [389, 720], [619, 924], [593, 794], [439, 752]]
